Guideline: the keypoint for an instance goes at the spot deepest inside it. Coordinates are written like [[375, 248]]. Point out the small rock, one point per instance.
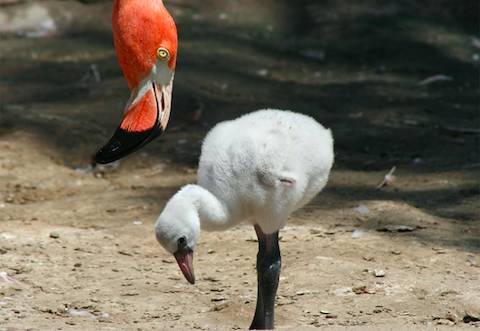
[[79, 313], [471, 259], [218, 299], [362, 210], [210, 251], [344, 291], [363, 290], [103, 316], [448, 292], [357, 233], [216, 289], [471, 308], [262, 72], [54, 235], [469, 318], [451, 317], [439, 250], [396, 228], [324, 312], [379, 273], [220, 306]]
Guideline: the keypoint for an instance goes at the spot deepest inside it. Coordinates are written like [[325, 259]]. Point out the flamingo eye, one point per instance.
[[181, 242], [163, 54]]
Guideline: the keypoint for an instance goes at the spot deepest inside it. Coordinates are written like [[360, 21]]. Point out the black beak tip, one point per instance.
[[124, 143], [106, 155]]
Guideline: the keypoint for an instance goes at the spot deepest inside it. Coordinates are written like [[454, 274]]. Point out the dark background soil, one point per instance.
[[357, 67]]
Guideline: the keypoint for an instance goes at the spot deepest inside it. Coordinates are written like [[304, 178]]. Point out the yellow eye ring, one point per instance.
[[163, 54]]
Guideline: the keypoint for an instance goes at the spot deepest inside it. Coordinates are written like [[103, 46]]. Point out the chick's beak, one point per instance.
[[184, 259]]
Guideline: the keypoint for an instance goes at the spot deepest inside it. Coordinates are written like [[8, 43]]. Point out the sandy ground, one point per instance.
[[77, 249]]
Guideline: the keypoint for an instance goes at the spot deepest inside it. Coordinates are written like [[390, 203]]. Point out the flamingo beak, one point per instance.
[[184, 259], [146, 117]]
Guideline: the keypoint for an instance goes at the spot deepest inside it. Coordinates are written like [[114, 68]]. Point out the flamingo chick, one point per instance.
[[257, 169], [146, 43]]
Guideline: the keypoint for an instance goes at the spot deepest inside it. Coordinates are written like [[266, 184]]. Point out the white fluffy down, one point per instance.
[[258, 168]]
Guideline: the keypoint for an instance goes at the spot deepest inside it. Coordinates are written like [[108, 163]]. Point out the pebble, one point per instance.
[[357, 233], [79, 313], [379, 273], [396, 228], [54, 235], [362, 210], [220, 306], [262, 72], [218, 299], [104, 315], [363, 289], [471, 308], [451, 317]]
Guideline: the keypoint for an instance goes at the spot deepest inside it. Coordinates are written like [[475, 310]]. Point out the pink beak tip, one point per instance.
[[185, 263]]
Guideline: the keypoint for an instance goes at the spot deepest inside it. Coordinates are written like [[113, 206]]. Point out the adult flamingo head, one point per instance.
[[145, 38]]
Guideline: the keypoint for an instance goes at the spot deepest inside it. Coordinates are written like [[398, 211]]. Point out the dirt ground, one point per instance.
[[77, 248]]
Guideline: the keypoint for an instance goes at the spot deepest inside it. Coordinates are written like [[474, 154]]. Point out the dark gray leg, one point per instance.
[[268, 271]]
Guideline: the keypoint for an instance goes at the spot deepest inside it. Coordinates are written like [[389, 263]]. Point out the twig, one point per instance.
[[433, 79], [388, 179]]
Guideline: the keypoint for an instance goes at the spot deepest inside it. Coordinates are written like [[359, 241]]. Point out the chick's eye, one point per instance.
[[181, 241]]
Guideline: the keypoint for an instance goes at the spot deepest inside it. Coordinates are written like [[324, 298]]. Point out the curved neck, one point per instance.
[[212, 212]]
